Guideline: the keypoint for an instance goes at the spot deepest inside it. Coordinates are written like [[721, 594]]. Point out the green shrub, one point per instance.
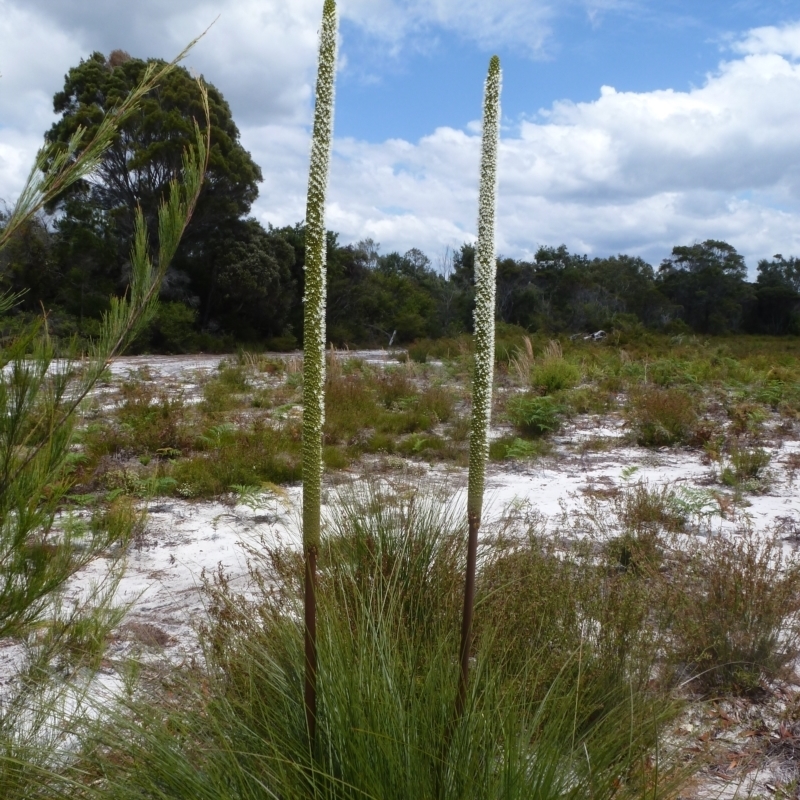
[[554, 375], [533, 415], [662, 416], [174, 328], [747, 468], [226, 390], [229, 456], [732, 610], [516, 448]]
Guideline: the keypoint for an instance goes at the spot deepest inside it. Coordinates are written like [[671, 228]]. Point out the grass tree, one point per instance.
[[314, 342], [485, 269]]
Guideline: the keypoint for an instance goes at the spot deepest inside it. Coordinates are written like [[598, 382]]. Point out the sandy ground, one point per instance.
[[182, 539]]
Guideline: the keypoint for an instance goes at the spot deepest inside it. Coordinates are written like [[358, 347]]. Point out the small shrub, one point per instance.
[[533, 415], [146, 423], [554, 375], [733, 612], [419, 351], [438, 403], [233, 377], [747, 468], [350, 407], [646, 509], [747, 418], [662, 416], [226, 390], [394, 386], [230, 456], [174, 328], [589, 400]]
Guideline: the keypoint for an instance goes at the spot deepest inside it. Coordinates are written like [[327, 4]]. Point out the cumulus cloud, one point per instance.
[[633, 172], [489, 23], [259, 53], [627, 172], [783, 40]]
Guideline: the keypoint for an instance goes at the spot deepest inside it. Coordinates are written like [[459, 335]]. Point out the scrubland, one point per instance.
[[638, 611]]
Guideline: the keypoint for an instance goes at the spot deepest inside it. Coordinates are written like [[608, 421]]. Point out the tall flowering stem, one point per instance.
[[314, 343], [485, 270]]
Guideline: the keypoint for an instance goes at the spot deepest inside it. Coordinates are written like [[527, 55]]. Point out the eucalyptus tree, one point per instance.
[[314, 342], [135, 170], [485, 269]]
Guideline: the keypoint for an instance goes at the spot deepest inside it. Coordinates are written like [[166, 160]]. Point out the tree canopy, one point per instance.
[[146, 153], [96, 215], [233, 280]]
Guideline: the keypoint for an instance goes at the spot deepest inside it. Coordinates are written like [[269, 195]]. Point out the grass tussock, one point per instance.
[[539, 721], [662, 417], [732, 609]]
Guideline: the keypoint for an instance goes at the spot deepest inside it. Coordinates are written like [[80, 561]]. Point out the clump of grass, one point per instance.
[[646, 509], [521, 362], [733, 612], [227, 455], [389, 600], [390, 405], [747, 468], [394, 386], [446, 348], [534, 415], [589, 400], [220, 396], [552, 373], [582, 625], [147, 422], [662, 417], [233, 377], [350, 407]]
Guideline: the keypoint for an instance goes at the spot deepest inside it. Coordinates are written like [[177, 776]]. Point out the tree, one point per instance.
[[777, 296], [144, 156], [28, 265], [708, 281], [250, 286]]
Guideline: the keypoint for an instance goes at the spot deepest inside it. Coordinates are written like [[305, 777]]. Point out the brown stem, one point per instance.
[[469, 608], [311, 643]]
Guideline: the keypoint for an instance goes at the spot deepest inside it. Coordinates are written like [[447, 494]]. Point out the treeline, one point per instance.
[[235, 282], [247, 289]]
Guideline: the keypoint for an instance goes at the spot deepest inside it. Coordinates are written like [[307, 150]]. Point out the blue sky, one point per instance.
[[632, 46], [628, 125]]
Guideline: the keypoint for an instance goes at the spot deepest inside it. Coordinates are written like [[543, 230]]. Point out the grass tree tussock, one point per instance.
[[485, 269], [391, 570], [314, 335]]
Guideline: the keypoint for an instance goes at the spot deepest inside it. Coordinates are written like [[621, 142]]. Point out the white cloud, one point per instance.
[[783, 41], [260, 54], [489, 23], [633, 172]]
